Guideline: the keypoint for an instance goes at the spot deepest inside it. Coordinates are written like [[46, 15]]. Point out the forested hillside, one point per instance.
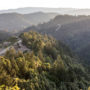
[[49, 65], [71, 30]]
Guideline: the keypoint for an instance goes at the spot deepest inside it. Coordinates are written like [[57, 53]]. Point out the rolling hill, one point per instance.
[[14, 22], [71, 30]]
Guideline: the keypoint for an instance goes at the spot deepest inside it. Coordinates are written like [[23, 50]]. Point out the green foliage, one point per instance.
[[47, 67], [36, 41], [3, 87]]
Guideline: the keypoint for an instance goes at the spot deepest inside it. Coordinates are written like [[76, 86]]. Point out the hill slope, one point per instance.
[[4, 36], [72, 30], [14, 22], [50, 66]]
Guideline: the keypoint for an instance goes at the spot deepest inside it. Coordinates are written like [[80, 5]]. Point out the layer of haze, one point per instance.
[[12, 4]]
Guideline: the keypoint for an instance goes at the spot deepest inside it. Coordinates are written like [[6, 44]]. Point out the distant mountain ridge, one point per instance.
[[62, 11], [37, 9], [14, 22]]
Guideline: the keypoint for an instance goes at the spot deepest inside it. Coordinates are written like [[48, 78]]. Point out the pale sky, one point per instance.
[[11, 4]]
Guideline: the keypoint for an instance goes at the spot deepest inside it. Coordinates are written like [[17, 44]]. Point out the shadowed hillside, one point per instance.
[[72, 30]]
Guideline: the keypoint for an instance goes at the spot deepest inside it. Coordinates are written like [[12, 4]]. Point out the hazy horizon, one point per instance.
[[45, 7], [15, 4]]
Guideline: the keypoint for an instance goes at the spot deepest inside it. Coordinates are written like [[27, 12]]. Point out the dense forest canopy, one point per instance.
[[49, 65]]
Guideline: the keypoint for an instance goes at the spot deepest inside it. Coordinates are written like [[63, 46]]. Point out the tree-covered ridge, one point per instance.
[[49, 65], [36, 41]]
